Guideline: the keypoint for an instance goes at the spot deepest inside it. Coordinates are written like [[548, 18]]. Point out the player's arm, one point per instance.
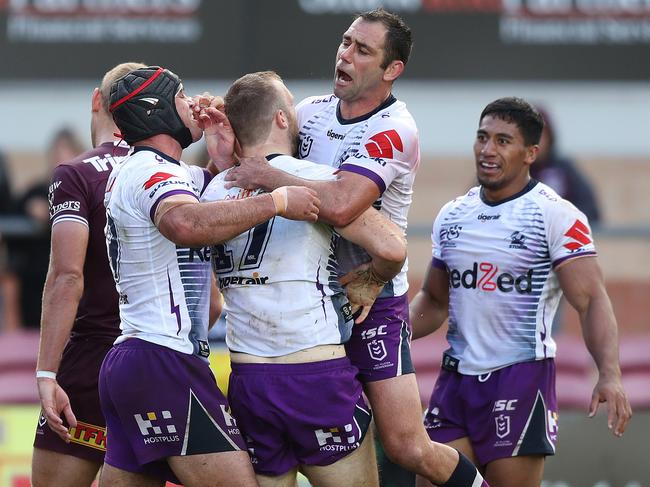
[[429, 308], [188, 223], [63, 289], [342, 199], [584, 287], [385, 243]]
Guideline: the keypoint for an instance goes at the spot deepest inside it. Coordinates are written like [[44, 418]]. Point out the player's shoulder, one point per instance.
[[303, 168], [394, 119], [549, 200], [314, 104], [468, 200], [96, 163]]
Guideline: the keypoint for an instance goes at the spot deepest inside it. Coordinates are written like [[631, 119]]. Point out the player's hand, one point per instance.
[[220, 140], [54, 402], [619, 410], [301, 203], [362, 287], [249, 173]]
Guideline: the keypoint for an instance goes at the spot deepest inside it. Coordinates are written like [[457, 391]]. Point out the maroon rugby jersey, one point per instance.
[[77, 194]]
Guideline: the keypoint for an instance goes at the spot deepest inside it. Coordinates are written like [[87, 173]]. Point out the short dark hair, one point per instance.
[[398, 41], [251, 104], [521, 113]]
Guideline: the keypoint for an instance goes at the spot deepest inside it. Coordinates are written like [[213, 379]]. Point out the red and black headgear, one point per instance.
[[143, 105]]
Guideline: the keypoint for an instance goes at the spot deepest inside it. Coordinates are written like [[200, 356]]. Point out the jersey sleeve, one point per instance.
[[568, 233], [68, 196], [161, 182], [200, 177], [388, 149]]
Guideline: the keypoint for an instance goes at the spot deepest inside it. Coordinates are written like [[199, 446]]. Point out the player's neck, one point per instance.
[[269, 147], [163, 143], [363, 105]]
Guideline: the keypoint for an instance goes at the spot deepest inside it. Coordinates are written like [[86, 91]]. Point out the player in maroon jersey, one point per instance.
[[80, 317]]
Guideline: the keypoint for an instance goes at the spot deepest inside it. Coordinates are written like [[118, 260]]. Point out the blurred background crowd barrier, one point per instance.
[[582, 61]]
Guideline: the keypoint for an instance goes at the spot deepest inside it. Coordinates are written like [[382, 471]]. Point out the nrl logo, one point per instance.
[[305, 146], [503, 425], [377, 350]]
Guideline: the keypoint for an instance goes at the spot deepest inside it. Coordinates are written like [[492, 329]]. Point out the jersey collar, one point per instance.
[[386, 103], [531, 184], [140, 148]]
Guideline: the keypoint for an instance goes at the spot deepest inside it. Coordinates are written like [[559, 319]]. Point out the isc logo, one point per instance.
[[504, 405], [373, 332]]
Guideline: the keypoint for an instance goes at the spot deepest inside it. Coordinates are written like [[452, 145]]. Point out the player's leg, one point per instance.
[[287, 479], [524, 471], [55, 462], [463, 445], [358, 469], [396, 407], [53, 468], [115, 477], [225, 469]]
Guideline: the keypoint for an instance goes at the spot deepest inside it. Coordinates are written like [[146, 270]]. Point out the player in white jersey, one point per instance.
[[371, 138], [157, 237], [294, 392], [503, 254]]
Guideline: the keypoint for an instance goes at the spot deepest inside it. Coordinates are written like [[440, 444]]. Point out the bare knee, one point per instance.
[[404, 451]]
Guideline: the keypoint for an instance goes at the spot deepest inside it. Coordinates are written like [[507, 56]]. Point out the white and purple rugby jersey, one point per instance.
[[164, 290], [280, 280], [500, 257], [382, 145]]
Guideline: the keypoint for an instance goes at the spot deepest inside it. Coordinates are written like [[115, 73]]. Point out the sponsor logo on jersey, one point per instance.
[[546, 194], [305, 146], [504, 405], [54, 186], [335, 439], [448, 234], [486, 277], [579, 235], [65, 206], [242, 194], [89, 435], [334, 136], [157, 178], [383, 143], [327, 99], [517, 240], [482, 217], [105, 163], [254, 280], [154, 430]]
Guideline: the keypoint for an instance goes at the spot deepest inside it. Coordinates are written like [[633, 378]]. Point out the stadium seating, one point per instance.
[[18, 354]]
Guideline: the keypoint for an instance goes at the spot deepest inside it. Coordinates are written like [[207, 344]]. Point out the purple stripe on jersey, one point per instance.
[[207, 177], [374, 177], [438, 264], [574, 256], [152, 212], [174, 308]]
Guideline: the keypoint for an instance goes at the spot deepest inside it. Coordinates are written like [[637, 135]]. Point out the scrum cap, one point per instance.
[[142, 103]]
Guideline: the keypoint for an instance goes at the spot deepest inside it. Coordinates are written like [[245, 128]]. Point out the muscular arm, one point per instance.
[[430, 306], [584, 287], [342, 199], [381, 238], [63, 289]]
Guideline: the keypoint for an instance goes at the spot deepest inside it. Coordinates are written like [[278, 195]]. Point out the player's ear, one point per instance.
[[531, 154], [281, 119], [96, 101], [393, 70]]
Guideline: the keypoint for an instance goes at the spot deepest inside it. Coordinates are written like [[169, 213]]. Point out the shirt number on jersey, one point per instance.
[[258, 239]]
